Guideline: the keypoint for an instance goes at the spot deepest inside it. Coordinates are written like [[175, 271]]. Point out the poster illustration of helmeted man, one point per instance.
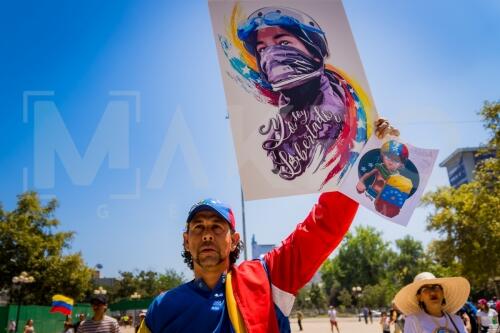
[[310, 117]]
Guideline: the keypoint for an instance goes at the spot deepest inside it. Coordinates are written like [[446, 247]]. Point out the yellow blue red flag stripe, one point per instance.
[[62, 304]]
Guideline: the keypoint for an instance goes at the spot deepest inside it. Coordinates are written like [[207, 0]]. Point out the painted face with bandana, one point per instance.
[[284, 60], [290, 50], [307, 99]]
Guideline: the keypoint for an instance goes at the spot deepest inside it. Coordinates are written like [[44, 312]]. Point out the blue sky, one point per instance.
[[430, 66]]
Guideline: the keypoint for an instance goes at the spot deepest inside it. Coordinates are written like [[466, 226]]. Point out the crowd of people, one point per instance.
[[433, 305]]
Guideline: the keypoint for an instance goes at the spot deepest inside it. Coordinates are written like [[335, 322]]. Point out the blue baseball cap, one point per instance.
[[216, 206]]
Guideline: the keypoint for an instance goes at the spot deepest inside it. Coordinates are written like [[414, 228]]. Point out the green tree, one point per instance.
[[302, 299], [29, 242], [317, 297], [362, 260], [467, 217], [378, 295], [126, 285], [146, 283], [408, 261], [345, 298], [169, 280]]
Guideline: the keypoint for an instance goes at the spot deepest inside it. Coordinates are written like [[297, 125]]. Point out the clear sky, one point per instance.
[[430, 65]]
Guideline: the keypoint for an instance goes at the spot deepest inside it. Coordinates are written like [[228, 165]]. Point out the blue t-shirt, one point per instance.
[[191, 307]]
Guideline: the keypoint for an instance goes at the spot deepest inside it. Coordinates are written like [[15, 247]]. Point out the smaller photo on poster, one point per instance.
[[389, 178]]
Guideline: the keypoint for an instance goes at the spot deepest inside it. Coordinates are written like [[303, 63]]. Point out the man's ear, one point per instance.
[[186, 241], [235, 239]]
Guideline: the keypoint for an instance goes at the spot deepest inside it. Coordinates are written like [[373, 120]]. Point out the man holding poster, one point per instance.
[[257, 295]]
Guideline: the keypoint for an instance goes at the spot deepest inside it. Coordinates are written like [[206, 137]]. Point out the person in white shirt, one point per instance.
[[485, 315], [430, 304], [332, 313]]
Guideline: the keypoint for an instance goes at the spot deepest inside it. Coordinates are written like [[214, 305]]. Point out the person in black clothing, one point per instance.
[[142, 315], [81, 318]]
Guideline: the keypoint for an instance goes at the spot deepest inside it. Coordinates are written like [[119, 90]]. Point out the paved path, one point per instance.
[[346, 325], [319, 325]]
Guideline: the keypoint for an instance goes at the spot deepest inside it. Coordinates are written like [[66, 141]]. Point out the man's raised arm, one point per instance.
[[294, 262]]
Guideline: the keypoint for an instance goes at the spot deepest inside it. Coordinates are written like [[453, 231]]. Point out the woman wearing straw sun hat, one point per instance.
[[430, 303]]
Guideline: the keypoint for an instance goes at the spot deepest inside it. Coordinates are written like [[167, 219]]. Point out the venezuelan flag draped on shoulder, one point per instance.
[[62, 304]]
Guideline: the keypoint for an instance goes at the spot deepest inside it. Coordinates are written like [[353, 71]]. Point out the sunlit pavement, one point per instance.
[[346, 325], [316, 325]]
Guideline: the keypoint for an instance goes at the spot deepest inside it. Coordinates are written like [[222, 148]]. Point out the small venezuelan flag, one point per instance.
[[62, 304]]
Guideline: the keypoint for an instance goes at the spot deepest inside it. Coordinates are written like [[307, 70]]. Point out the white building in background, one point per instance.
[[260, 249], [461, 164]]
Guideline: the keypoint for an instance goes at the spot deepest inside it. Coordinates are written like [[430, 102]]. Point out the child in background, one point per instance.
[[385, 322]]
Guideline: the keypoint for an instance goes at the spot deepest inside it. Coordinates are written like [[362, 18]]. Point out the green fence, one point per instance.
[[127, 304], [46, 322], [4, 312], [43, 320]]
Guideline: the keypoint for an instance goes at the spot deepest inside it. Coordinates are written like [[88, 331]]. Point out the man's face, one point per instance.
[[278, 36], [99, 308], [209, 240]]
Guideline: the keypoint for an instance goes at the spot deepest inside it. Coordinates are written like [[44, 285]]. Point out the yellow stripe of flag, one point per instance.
[[62, 298], [401, 183]]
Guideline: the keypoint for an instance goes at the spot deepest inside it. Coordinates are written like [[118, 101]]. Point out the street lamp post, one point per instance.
[[356, 291], [135, 296], [19, 281], [100, 291]]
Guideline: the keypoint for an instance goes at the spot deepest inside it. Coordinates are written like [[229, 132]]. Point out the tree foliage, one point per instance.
[[146, 283], [317, 297], [408, 261], [383, 270], [29, 242], [345, 298], [467, 217], [378, 295], [362, 260]]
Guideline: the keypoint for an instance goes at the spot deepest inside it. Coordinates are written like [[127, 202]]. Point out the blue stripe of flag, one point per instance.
[[62, 304]]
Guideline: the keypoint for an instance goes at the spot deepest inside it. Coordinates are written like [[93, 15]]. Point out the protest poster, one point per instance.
[[298, 100], [389, 178]]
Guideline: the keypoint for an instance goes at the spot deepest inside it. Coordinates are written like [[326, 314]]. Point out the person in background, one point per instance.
[[142, 315], [466, 319], [300, 316], [100, 322], [497, 308], [332, 314], [81, 318], [471, 312], [385, 322], [12, 327], [29, 328], [485, 316], [429, 304], [125, 320], [68, 327], [397, 319], [365, 314]]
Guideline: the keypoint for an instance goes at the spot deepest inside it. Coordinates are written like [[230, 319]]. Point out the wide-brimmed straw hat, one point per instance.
[[455, 289]]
